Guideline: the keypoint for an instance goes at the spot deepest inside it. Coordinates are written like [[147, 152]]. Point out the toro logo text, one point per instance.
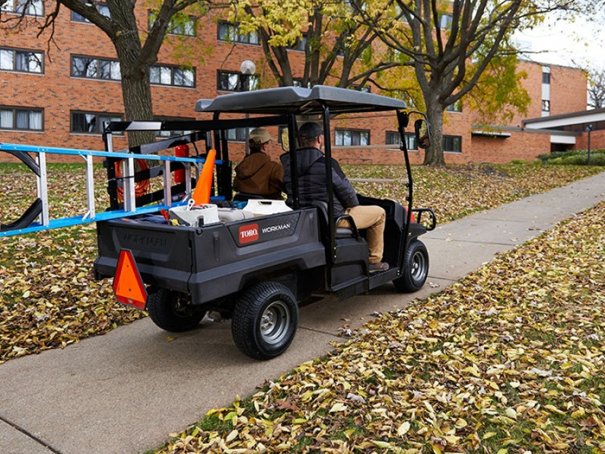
[[248, 233]]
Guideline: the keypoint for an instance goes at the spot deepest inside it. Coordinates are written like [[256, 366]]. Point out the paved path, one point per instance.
[[124, 392]]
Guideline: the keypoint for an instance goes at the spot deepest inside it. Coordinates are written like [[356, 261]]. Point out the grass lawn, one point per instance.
[[508, 360], [49, 298]]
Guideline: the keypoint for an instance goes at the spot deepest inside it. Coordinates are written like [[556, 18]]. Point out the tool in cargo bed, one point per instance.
[[37, 217]]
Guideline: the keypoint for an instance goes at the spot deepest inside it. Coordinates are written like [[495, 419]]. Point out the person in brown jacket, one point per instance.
[[257, 174]]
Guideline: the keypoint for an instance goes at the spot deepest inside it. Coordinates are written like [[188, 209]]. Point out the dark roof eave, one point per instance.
[[563, 116]]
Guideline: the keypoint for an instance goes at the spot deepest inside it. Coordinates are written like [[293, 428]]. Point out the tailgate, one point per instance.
[[162, 253]]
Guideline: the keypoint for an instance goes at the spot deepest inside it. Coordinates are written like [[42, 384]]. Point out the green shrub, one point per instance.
[[574, 157]]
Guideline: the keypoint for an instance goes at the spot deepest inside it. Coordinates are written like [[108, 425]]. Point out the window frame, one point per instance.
[[15, 51], [546, 105], [12, 7], [353, 131], [98, 121], [29, 110], [233, 30], [445, 21], [453, 139], [238, 138], [300, 44], [98, 61], [151, 15], [251, 86], [100, 6], [410, 139], [173, 69], [455, 107]]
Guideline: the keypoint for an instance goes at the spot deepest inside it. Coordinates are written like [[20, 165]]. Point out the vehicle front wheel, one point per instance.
[[172, 310], [415, 268], [264, 321]]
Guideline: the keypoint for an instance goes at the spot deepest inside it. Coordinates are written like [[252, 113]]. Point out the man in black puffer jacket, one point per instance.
[[312, 186]]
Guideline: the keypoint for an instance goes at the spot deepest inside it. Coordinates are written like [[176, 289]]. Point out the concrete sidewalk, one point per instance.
[[126, 391]]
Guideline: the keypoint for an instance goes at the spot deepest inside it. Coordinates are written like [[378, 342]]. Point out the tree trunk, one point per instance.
[[434, 154], [136, 93], [136, 90]]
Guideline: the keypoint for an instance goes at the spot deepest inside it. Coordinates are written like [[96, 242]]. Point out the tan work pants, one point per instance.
[[369, 217]]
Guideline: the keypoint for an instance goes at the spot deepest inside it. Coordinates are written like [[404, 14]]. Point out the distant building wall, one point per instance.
[[58, 94]]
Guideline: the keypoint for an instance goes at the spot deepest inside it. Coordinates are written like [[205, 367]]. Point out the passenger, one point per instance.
[[257, 174], [312, 186]]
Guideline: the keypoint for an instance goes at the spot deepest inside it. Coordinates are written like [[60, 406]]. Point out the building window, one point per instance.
[[101, 8], [34, 8], [17, 118], [231, 34], [452, 144], [393, 138], [300, 43], [351, 137], [237, 134], [21, 60], [235, 81], [456, 107], [172, 75], [95, 68], [545, 105], [546, 78], [163, 134], [445, 22], [179, 25], [91, 123]]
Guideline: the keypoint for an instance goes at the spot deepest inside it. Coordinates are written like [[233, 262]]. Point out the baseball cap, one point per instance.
[[260, 136], [310, 130]]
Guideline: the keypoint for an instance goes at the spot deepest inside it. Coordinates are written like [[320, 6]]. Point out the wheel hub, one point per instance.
[[274, 322], [418, 267]]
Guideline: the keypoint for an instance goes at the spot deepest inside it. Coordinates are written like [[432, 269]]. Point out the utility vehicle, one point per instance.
[[256, 271]]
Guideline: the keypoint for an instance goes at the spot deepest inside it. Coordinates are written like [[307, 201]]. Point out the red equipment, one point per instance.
[[180, 151]]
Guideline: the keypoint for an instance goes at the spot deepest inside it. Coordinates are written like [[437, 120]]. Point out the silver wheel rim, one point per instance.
[[418, 271], [274, 322]]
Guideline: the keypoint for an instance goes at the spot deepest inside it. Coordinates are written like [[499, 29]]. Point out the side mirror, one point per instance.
[[423, 132], [285, 140]]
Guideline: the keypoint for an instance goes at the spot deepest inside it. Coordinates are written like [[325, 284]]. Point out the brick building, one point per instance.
[[59, 94]]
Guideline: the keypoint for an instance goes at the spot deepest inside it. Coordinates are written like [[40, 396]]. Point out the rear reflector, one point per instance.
[[127, 283]]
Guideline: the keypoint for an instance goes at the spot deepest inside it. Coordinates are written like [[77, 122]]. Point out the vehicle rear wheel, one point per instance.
[[264, 321], [415, 269], [172, 310]]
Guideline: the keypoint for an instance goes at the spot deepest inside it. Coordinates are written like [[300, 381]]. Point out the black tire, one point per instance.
[[265, 319], [415, 269], [172, 311]]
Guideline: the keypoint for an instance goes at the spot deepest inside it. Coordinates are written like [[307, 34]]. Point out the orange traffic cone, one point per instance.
[[201, 194]]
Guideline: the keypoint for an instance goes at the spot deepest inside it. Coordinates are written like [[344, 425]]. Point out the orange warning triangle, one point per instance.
[[127, 283]]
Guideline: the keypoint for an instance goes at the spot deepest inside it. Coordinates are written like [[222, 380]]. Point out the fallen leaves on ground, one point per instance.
[[49, 297], [511, 359]]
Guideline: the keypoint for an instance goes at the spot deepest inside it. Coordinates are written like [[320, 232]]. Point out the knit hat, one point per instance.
[[310, 130], [260, 136]]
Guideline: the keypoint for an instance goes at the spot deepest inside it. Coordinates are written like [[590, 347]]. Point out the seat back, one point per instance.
[[341, 232]]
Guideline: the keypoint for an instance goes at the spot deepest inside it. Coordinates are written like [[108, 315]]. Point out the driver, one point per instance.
[[312, 186]]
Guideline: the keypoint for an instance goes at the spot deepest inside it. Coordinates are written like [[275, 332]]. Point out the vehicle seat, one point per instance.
[[341, 232]]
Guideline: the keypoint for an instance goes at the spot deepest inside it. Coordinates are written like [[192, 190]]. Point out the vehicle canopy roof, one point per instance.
[[300, 101]]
